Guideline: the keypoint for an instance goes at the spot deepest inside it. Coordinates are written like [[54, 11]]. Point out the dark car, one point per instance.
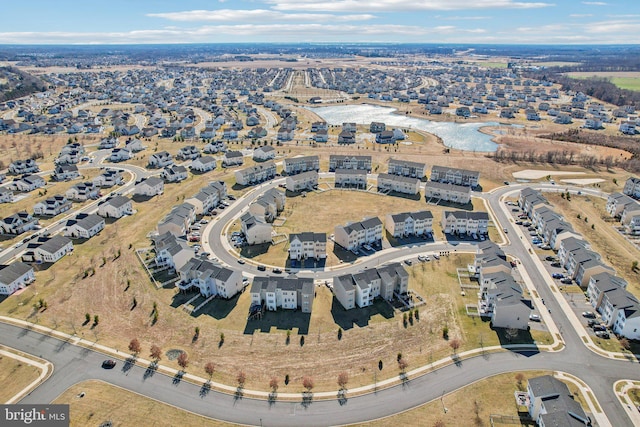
[[109, 364], [566, 281], [262, 268], [240, 261], [277, 271], [557, 275], [589, 314], [603, 335], [408, 261], [598, 328], [592, 322]]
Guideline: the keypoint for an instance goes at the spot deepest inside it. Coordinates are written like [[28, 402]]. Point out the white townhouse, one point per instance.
[[82, 191], [21, 167], [214, 147], [619, 308], [84, 226], [398, 184], [178, 221], [360, 289], [287, 293], [48, 250], [108, 178], [188, 152], [632, 187], [455, 176], [406, 168], [65, 172], [463, 222], [29, 183], [171, 252], [302, 181], [255, 229], [15, 276], [18, 223], [630, 219], [256, 174], [618, 202], [301, 164], [160, 160], [210, 279], [351, 178], [551, 403], [6, 195], [52, 206], [204, 164], [341, 161], [208, 197], [115, 207], [122, 155], [232, 158], [409, 224], [268, 205], [502, 300], [307, 245], [174, 173], [264, 153], [447, 192], [149, 187], [353, 235]]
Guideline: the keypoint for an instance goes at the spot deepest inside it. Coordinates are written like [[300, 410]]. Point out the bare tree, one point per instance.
[[403, 364], [307, 382], [519, 379], [156, 353], [273, 384], [210, 368], [241, 378], [343, 379], [454, 344], [134, 346], [624, 343], [183, 360]]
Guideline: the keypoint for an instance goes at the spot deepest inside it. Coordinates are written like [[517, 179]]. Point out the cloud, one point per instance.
[[580, 15], [595, 3], [401, 5], [462, 18], [254, 15], [620, 26]]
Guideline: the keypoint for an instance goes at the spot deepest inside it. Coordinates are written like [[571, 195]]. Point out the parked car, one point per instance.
[[240, 261], [557, 275], [534, 317], [566, 281], [550, 258], [603, 335], [591, 322], [555, 264], [408, 261], [109, 364], [598, 328], [262, 268], [589, 314], [436, 256], [277, 271]]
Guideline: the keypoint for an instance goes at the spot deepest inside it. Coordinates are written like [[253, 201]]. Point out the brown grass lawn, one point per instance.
[[490, 396], [15, 376], [318, 212]]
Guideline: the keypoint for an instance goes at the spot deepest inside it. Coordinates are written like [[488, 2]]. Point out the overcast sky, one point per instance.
[[403, 21]]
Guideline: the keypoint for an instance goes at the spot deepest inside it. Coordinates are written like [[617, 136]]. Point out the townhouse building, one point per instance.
[[268, 205], [409, 224], [14, 276], [256, 174], [255, 229], [447, 192], [174, 173], [264, 153], [208, 197], [149, 187], [632, 187], [287, 293], [398, 183], [464, 222], [350, 178], [455, 176], [353, 235], [178, 220], [307, 245], [406, 168], [171, 252], [361, 289], [296, 165], [618, 202], [302, 181], [209, 279], [341, 161], [22, 167], [204, 164], [502, 299], [551, 403]]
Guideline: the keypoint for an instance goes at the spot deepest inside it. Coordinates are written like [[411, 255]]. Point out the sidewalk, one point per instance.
[[594, 407], [632, 412], [45, 367]]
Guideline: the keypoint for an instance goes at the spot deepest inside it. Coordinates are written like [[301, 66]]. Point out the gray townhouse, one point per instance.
[[360, 289], [406, 168], [296, 165], [256, 174], [434, 190], [303, 181], [287, 293], [551, 403], [209, 279], [398, 184], [632, 187], [455, 176], [409, 224], [341, 161], [350, 178]]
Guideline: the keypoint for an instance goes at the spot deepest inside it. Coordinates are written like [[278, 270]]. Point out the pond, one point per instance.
[[462, 136]]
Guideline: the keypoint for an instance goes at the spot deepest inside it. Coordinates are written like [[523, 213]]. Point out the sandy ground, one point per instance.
[[536, 174], [582, 181]]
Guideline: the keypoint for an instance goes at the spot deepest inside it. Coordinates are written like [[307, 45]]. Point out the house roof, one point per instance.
[[12, 272]]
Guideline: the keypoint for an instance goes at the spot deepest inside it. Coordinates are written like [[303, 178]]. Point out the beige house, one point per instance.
[[255, 229], [409, 224], [398, 184], [362, 288], [302, 181], [288, 293], [447, 192]]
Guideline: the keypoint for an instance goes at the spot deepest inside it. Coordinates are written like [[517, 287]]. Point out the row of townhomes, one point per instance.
[[304, 181], [209, 278], [632, 187], [301, 164], [625, 209], [455, 176], [620, 310], [256, 174], [288, 293], [256, 222], [409, 224], [435, 191], [307, 245], [360, 289], [354, 235], [501, 297], [464, 222]]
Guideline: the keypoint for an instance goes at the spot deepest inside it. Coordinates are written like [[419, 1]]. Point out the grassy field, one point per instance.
[[624, 80], [471, 405], [15, 376]]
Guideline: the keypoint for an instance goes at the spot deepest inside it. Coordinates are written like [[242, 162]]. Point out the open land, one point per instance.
[[15, 376]]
